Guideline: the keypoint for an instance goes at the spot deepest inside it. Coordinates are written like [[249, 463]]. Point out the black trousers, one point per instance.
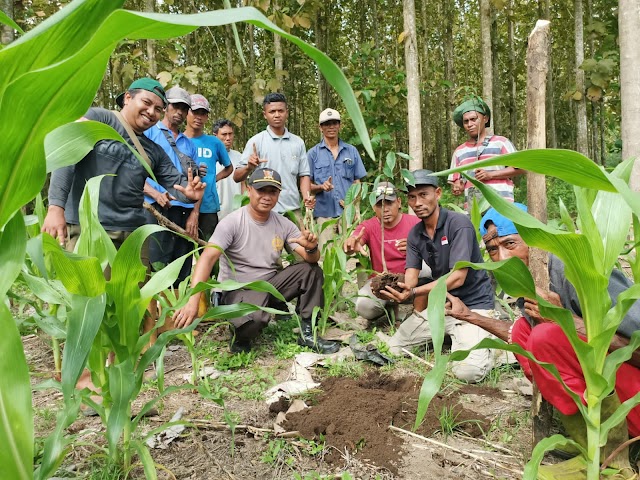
[[301, 280], [165, 247]]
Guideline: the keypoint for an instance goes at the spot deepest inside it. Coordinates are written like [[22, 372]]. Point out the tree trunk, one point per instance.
[[149, 6], [413, 85], [322, 30], [485, 42], [628, 27], [513, 109], [496, 112], [450, 76], [228, 44], [428, 151], [252, 77], [582, 142], [551, 111], [277, 53], [537, 66], [7, 35]]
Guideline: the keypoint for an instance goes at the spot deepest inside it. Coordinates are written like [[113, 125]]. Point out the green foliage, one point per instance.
[[343, 368], [449, 424]]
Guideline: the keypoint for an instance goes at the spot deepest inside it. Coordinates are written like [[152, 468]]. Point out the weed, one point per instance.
[[366, 336], [249, 385], [344, 368], [449, 423], [279, 451], [45, 418], [500, 373]]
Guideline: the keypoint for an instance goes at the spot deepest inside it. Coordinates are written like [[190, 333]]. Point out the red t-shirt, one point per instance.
[[396, 259]]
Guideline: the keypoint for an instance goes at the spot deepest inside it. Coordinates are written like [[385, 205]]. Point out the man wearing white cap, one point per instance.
[[335, 165], [166, 247], [211, 152]]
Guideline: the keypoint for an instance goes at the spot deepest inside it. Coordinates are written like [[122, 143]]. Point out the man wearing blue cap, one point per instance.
[[474, 116], [548, 343], [252, 239], [121, 190], [442, 239]]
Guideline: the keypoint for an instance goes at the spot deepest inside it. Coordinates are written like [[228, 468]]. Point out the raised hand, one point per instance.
[[354, 244], [195, 188], [308, 240], [401, 245], [327, 186], [254, 159]]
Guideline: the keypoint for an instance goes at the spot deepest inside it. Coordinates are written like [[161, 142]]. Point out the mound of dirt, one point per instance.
[[354, 415], [383, 280]]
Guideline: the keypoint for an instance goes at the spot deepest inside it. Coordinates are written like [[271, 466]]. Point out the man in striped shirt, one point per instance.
[[474, 116]]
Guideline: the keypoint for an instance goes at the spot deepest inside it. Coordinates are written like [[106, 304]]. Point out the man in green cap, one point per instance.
[[474, 116], [121, 190]]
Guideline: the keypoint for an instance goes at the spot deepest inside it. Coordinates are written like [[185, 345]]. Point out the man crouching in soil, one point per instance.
[[252, 239], [548, 343]]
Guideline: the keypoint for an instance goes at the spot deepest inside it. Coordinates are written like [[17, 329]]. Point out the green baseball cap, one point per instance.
[[472, 105], [148, 84]]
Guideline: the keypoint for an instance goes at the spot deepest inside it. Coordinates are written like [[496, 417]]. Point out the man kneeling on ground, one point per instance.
[[548, 343], [252, 239]]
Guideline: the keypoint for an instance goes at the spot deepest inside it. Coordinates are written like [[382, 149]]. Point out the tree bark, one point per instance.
[[277, 53], [628, 27], [485, 42], [413, 85], [551, 111], [7, 35], [537, 67], [450, 76], [513, 109], [496, 93], [149, 6], [582, 142], [428, 151], [228, 45]]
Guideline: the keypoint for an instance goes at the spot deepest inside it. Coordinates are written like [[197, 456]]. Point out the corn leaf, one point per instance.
[[122, 386], [16, 413], [13, 247], [83, 323]]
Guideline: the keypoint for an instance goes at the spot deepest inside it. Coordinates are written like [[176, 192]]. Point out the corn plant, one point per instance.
[[59, 66], [606, 207]]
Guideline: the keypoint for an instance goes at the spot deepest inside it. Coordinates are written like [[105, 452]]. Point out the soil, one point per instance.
[[383, 280], [353, 415]]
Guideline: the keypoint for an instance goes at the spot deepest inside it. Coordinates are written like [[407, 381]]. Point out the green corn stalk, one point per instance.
[[606, 206], [60, 64]]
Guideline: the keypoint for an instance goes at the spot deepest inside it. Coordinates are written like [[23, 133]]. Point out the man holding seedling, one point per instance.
[[121, 190], [397, 226], [474, 116], [335, 165], [279, 149], [547, 342], [252, 239], [442, 239]]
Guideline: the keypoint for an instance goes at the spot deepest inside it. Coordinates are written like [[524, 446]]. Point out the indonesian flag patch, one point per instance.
[[444, 240]]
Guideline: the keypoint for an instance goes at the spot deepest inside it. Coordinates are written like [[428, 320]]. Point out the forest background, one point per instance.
[[461, 48]]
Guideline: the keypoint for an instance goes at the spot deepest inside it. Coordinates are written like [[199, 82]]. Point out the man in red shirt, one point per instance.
[[396, 228]]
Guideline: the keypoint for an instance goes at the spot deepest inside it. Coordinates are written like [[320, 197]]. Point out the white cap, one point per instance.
[[329, 114]]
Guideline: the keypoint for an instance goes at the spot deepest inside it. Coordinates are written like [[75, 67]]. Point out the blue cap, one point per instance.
[[504, 226]]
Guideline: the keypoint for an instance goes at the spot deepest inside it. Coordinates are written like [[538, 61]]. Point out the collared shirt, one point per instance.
[[343, 170], [454, 240], [212, 152], [184, 144], [287, 155]]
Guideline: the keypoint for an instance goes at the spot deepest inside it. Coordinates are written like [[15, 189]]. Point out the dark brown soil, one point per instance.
[[354, 415], [383, 280]]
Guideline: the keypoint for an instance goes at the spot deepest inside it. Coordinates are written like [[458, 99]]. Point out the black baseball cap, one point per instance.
[[424, 177], [265, 177]]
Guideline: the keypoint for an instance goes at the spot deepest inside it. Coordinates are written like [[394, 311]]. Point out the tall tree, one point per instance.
[[629, 26], [450, 76], [485, 42], [513, 109], [413, 85], [277, 52], [582, 142], [6, 33], [551, 113], [149, 6]]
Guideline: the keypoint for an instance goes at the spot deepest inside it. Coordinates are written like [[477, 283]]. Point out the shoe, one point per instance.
[[320, 345], [239, 345]]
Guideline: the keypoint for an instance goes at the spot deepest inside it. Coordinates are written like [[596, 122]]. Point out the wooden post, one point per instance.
[[537, 68]]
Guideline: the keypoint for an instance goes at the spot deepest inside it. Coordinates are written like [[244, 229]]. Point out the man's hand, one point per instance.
[[54, 224], [187, 314], [456, 308], [254, 159], [162, 199], [195, 188], [341, 202], [310, 201], [532, 308], [327, 186], [398, 296], [457, 187], [306, 240], [192, 224], [483, 175], [401, 245], [353, 244], [203, 168]]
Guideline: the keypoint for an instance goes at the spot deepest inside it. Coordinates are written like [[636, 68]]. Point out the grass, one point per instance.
[[249, 384], [449, 424], [502, 373], [344, 368]]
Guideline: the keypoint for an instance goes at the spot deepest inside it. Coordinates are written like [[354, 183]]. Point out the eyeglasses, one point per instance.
[[385, 191]]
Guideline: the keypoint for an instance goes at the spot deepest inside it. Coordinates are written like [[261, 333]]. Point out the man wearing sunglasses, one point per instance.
[[442, 239], [397, 226], [335, 165]]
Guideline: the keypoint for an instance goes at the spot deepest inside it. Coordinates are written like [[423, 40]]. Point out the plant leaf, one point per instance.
[[13, 246]]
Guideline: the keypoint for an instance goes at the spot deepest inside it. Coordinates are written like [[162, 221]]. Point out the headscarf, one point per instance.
[[473, 105]]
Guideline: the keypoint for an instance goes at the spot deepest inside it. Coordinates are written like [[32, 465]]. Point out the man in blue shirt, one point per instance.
[[165, 247], [335, 166], [211, 151]]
